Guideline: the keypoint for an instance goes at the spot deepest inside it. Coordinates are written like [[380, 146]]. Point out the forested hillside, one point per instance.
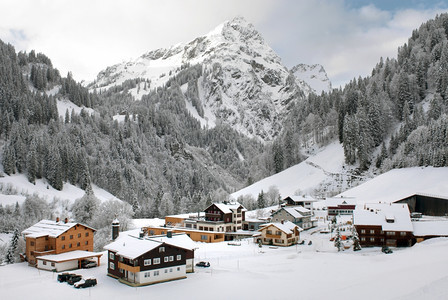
[[159, 158], [395, 118]]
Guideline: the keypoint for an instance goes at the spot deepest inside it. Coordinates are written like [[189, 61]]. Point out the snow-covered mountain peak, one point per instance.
[[242, 83], [313, 75]]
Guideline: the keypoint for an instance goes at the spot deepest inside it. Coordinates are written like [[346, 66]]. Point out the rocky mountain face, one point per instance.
[[312, 78], [243, 82]]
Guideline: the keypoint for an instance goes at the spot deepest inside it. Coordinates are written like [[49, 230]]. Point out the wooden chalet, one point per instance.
[[231, 214], [298, 215], [138, 261], [283, 233], [305, 201], [383, 224], [340, 206], [55, 237]]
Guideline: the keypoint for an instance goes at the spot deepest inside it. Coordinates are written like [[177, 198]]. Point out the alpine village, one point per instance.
[[225, 168]]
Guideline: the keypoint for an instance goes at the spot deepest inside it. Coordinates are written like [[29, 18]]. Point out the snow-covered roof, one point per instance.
[[304, 198], [130, 246], [297, 211], [180, 240], [228, 208], [71, 255], [286, 226], [391, 217], [340, 201], [430, 228], [50, 228]]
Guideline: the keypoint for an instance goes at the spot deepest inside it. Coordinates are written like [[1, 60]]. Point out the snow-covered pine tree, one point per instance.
[[10, 257]]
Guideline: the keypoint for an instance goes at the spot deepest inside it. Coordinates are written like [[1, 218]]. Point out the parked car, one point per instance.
[[203, 264], [87, 264], [64, 276], [73, 279], [85, 283], [386, 250]]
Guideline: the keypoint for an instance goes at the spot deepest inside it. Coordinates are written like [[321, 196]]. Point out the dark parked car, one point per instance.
[[204, 264], [386, 250], [87, 264], [73, 279], [85, 283], [65, 276]]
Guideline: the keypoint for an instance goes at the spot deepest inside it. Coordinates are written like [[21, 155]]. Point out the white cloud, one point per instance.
[[86, 36]]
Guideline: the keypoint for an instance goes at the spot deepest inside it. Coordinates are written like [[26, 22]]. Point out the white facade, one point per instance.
[[163, 274], [57, 266]]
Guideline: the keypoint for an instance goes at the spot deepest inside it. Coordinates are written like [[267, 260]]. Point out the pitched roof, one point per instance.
[[71, 255], [227, 208], [286, 226], [297, 211], [131, 247], [430, 228], [391, 217], [304, 198], [50, 228]]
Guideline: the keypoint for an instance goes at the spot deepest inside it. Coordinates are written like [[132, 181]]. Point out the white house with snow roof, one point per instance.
[[47, 240], [283, 233], [383, 224], [304, 200], [298, 215], [138, 260]]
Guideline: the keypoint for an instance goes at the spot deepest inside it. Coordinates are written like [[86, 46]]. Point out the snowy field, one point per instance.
[[314, 271]]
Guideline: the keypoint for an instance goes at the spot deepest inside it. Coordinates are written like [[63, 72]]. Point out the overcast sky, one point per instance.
[[85, 36]]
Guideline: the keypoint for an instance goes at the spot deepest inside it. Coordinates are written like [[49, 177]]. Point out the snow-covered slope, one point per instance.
[[400, 183], [323, 167], [19, 184], [243, 81], [314, 76]]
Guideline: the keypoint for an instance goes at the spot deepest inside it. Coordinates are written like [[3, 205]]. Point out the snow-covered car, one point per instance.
[[203, 264], [386, 250], [85, 283], [87, 264]]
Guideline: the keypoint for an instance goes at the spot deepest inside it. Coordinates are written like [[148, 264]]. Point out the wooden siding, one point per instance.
[[370, 236]]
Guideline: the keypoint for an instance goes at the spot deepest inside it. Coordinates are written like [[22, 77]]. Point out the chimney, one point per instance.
[[66, 220], [115, 229], [169, 234], [57, 219]]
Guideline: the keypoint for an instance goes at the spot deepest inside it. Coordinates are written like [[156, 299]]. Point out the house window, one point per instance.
[[166, 270], [71, 236], [32, 243], [156, 273], [363, 231], [52, 264], [161, 249], [171, 258], [372, 231], [204, 237], [165, 259], [151, 232], [402, 233], [87, 234], [111, 266], [78, 244], [79, 235], [278, 232], [87, 242], [363, 239], [69, 245], [63, 246], [44, 263], [111, 255], [178, 268], [390, 233], [171, 270], [147, 274], [156, 261], [62, 238], [372, 239], [268, 232], [178, 257], [147, 262]]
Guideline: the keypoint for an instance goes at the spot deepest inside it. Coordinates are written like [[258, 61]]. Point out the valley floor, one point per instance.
[[314, 271]]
